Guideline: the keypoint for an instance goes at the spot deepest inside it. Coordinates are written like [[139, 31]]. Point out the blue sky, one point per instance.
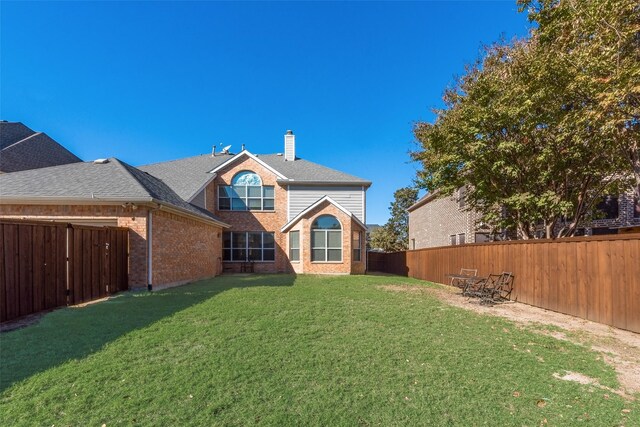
[[154, 81]]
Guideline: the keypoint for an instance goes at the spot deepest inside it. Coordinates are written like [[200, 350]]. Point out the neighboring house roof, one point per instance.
[[12, 132], [424, 200], [23, 149], [317, 203], [113, 181], [188, 176]]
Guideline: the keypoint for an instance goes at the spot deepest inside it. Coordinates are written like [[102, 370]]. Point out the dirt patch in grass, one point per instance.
[[618, 348]]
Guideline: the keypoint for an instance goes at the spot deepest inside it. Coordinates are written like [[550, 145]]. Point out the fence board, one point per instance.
[[3, 279], [597, 278], [25, 268], [38, 269]]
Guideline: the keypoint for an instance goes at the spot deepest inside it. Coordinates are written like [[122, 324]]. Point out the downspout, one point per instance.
[[150, 250], [366, 230]]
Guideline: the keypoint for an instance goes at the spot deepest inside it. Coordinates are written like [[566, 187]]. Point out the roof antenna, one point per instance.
[[225, 150]]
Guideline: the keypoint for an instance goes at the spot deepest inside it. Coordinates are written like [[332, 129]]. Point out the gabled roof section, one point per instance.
[[251, 156], [188, 176], [88, 182], [314, 205], [12, 132], [33, 152]]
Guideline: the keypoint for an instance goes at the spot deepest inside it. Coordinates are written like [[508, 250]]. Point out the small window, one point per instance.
[[294, 245], [357, 246], [636, 205], [461, 239], [461, 197], [452, 239]]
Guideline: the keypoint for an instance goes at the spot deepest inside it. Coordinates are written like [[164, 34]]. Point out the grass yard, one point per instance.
[[286, 350]]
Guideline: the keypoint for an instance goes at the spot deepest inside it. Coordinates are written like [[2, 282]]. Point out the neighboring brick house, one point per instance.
[[441, 221], [193, 218], [286, 214], [22, 149], [170, 241]]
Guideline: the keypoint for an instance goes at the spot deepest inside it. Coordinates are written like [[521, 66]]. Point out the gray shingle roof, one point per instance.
[[33, 152], [115, 180], [187, 176], [23, 149], [12, 132], [302, 170]]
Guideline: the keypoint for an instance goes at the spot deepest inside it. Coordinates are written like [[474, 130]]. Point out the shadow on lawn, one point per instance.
[[74, 333]]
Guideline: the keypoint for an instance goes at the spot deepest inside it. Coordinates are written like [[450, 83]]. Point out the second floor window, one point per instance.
[[246, 194], [608, 208]]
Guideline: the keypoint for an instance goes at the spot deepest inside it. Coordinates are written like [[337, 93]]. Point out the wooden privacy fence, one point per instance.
[[595, 278], [48, 265]]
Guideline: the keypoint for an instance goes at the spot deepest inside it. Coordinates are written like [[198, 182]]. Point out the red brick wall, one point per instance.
[[183, 249], [274, 221], [256, 220], [347, 266], [135, 220]]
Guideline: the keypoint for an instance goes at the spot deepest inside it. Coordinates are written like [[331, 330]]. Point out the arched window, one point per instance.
[[246, 193], [326, 239]]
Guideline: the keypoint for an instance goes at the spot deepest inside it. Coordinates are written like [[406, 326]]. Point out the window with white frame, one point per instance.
[[258, 246], [326, 239], [246, 192], [357, 246], [294, 246]]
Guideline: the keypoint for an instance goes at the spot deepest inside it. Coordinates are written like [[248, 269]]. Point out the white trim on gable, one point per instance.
[[251, 156], [295, 219]]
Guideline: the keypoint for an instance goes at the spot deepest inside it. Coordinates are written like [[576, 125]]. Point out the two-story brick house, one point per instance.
[[286, 214], [196, 217]]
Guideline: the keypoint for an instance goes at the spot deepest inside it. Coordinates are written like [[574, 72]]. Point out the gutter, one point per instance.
[[325, 183]]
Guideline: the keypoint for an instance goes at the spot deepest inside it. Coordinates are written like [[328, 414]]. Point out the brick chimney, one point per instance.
[[289, 146]]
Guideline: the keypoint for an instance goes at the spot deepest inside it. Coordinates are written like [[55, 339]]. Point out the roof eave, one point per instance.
[[426, 199], [111, 201]]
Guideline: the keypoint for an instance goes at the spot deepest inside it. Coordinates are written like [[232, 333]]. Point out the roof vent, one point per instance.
[[100, 161]]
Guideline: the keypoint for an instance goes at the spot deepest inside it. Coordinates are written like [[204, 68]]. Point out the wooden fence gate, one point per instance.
[[48, 265]]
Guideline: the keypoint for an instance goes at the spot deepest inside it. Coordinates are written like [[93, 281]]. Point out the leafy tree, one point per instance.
[[394, 235], [383, 238], [598, 43], [523, 134]]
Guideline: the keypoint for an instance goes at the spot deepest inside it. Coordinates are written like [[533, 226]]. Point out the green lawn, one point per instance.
[[286, 350]]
